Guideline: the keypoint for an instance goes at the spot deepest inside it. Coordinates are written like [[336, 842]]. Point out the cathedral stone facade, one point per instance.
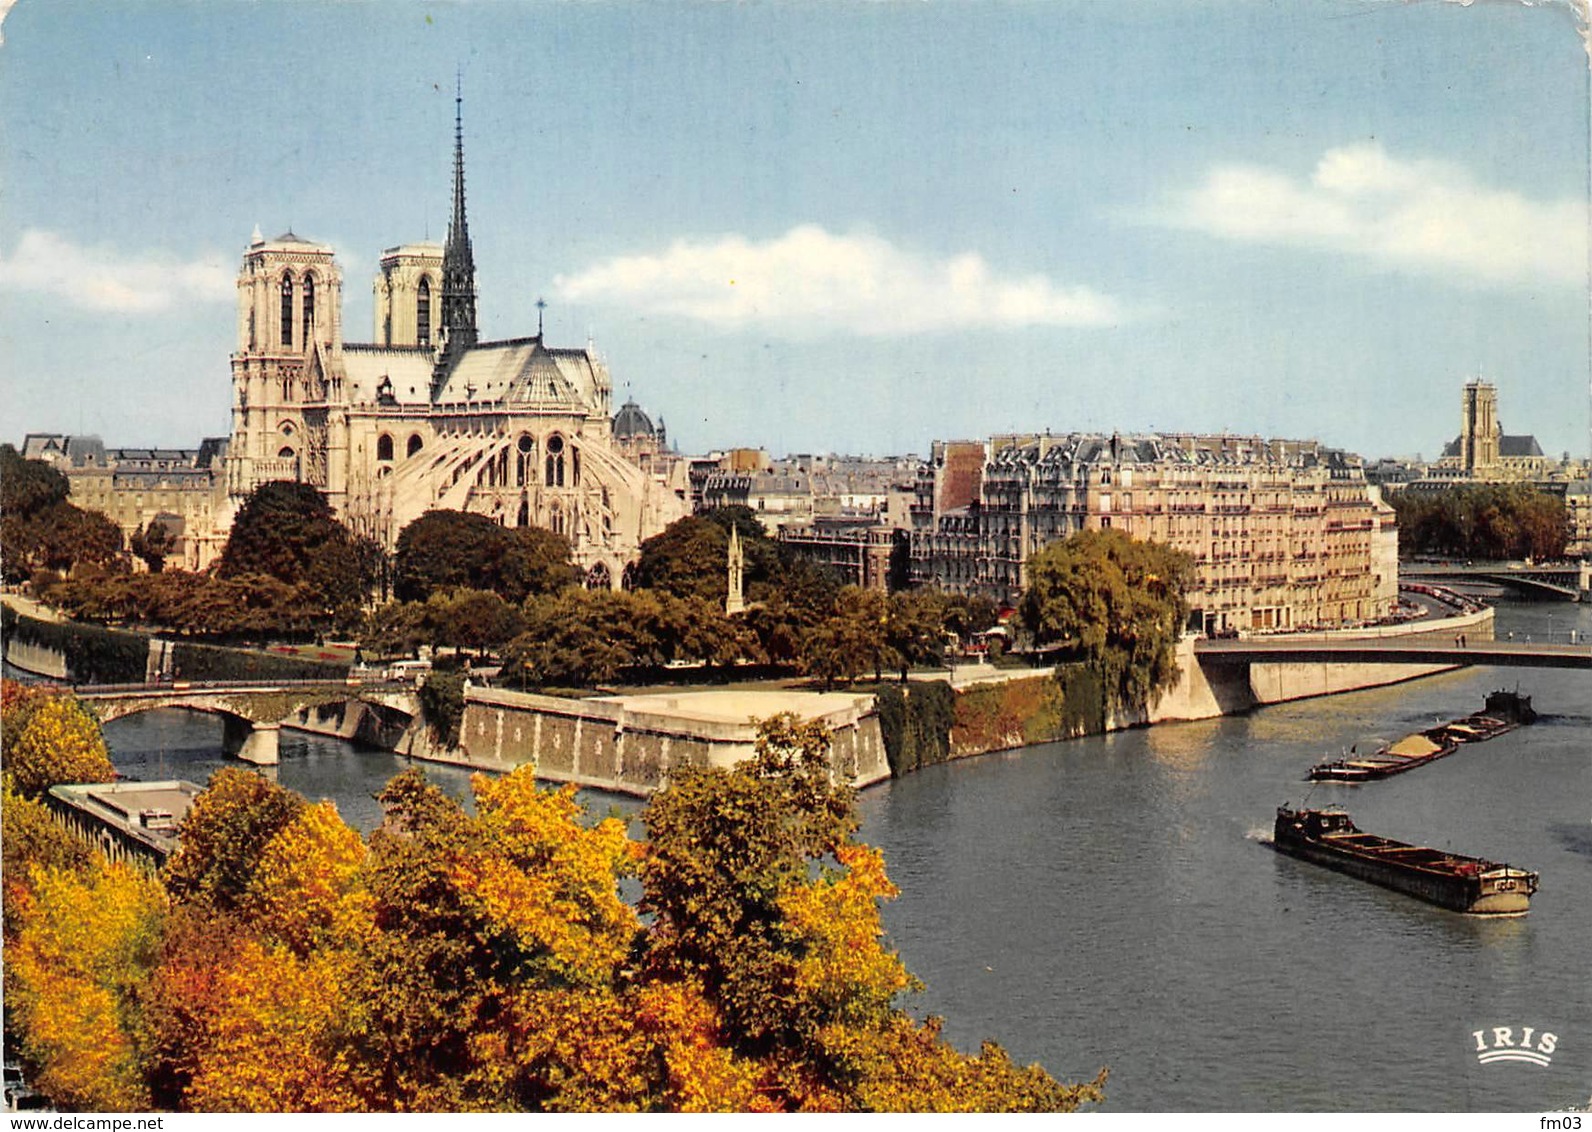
[[428, 415]]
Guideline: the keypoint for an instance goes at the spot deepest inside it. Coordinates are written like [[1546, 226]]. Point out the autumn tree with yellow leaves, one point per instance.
[[488, 961]]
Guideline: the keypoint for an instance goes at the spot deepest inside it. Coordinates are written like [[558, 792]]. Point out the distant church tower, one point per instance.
[[458, 260], [1478, 437], [735, 597]]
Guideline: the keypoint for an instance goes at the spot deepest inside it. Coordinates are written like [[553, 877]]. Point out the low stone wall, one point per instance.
[[36, 659], [631, 744]]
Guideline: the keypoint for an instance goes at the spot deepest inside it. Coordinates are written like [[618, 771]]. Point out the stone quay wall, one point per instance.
[[631, 744]]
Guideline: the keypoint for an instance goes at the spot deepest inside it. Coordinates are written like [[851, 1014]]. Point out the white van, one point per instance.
[[408, 670]]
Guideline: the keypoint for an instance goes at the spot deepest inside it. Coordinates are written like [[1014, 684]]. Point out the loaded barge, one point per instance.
[[1504, 711], [1461, 884]]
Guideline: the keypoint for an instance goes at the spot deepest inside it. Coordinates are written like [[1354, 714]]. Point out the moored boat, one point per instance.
[[1462, 884], [1504, 711]]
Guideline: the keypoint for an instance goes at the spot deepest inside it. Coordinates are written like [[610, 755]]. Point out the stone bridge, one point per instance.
[[1295, 650], [253, 714], [1570, 581]]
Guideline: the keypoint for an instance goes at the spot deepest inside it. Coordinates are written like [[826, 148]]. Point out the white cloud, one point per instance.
[[1422, 215], [810, 281], [101, 279]]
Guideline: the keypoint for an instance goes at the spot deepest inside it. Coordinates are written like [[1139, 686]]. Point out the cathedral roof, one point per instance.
[[409, 370], [522, 372]]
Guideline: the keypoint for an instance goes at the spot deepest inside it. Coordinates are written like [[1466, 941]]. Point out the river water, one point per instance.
[[1113, 901]]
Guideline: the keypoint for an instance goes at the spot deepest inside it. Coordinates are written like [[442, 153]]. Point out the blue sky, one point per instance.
[[852, 227]]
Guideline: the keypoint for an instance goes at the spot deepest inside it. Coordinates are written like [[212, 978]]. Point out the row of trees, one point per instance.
[[1492, 521], [486, 960]]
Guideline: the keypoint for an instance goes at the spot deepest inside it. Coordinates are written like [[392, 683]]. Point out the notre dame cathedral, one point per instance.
[[428, 415]]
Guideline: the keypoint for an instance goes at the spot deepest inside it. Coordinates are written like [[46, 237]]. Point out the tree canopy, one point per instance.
[[40, 529], [1118, 602], [287, 531], [1490, 521], [51, 739], [459, 549]]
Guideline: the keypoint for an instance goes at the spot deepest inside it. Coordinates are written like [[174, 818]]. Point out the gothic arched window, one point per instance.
[[285, 453], [525, 464], [415, 444], [309, 306], [555, 461], [287, 308], [423, 312], [384, 447]]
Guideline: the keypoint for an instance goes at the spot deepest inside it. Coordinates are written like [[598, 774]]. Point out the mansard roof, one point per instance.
[[1154, 448]]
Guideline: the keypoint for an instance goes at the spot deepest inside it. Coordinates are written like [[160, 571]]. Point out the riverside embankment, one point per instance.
[[628, 744]]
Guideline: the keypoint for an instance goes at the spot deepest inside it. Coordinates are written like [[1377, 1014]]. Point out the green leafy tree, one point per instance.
[[445, 550], [397, 628], [915, 628], [472, 619], [852, 640], [287, 531], [688, 558], [1115, 600], [582, 637]]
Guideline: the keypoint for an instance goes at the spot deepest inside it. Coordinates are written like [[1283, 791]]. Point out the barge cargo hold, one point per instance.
[[1504, 712], [1459, 883]]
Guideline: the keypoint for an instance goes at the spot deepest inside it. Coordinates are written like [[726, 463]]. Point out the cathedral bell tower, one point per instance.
[[290, 299]]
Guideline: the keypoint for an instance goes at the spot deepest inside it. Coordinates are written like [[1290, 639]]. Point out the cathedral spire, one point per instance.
[[458, 260]]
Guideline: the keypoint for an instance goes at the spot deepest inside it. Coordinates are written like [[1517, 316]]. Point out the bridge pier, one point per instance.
[[256, 743]]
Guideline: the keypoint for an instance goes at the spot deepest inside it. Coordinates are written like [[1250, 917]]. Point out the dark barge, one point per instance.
[[1459, 883], [1504, 711]]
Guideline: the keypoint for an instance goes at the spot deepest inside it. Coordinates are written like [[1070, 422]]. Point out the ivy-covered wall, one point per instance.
[[915, 724], [927, 723], [1018, 713], [214, 662], [93, 655]]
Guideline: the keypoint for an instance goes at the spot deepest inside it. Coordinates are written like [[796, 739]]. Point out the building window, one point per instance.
[[423, 312], [309, 306], [415, 444], [524, 463], [384, 447], [285, 453], [287, 309], [555, 462]]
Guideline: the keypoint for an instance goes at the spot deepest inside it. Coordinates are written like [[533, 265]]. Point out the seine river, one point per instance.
[[1113, 901]]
